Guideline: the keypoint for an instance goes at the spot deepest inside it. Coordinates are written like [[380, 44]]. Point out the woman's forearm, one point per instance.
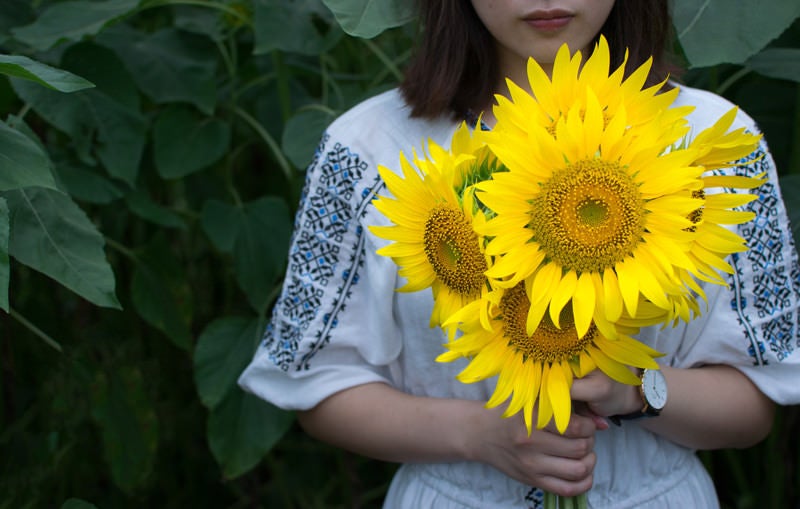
[[381, 422], [712, 407]]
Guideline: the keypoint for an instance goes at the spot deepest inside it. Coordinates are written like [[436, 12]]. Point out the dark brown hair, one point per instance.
[[455, 69]]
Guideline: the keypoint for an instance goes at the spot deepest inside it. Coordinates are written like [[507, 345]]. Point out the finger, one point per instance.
[[590, 388], [579, 426], [566, 477], [583, 409], [564, 488], [559, 446]]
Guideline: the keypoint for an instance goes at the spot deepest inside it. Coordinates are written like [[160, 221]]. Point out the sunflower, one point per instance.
[[720, 148], [571, 78], [433, 210], [602, 193], [583, 212], [541, 366]]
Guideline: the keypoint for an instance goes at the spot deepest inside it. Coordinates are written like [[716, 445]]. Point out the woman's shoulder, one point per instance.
[[386, 117], [709, 107]]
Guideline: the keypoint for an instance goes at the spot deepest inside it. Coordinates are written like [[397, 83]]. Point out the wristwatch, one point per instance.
[[654, 396]]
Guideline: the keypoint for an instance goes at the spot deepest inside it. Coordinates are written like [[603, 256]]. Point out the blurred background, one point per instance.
[[151, 158]]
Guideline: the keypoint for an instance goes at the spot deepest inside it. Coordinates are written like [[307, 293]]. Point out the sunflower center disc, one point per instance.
[[697, 215], [548, 343], [452, 249], [588, 216]]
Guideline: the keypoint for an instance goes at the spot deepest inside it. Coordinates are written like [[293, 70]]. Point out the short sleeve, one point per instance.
[[752, 323], [332, 326]]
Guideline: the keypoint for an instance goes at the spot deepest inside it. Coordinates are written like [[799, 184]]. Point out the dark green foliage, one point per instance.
[[151, 157]]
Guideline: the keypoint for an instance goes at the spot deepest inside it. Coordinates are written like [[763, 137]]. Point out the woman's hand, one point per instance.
[[708, 407], [381, 422], [604, 396], [560, 464]]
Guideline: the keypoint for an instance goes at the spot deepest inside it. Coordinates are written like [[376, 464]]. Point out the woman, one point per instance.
[[356, 358]]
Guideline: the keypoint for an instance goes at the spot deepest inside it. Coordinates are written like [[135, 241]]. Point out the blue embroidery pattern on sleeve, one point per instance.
[[534, 499], [775, 285], [327, 211]]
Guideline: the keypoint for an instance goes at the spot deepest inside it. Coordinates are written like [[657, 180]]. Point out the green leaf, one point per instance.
[[368, 18], [13, 14], [141, 205], [94, 120], [105, 69], [790, 189], [242, 429], [713, 32], [257, 234], [781, 63], [221, 222], [23, 163], [223, 350], [84, 184], [259, 252], [185, 142], [57, 79], [302, 133], [168, 65], [160, 292], [128, 424], [51, 234], [201, 20], [76, 503], [71, 21], [5, 268], [294, 26]]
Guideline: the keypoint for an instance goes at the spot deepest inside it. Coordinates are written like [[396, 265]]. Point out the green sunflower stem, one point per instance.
[[552, 501]]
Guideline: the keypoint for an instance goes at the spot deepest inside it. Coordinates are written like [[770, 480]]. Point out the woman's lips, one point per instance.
[[549, 21]]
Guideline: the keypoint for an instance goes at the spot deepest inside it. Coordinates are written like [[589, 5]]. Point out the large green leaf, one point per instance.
[[781, 63], [84, 184], [5, 270], [185, 142], [57, 79], [161, 293], [105, 69], [51, 234], [259, 252], [23, 163], [790, 188], [257, 234], [715, 31], [295, 26], [223, 350], [140, 204], [302, 133], [128, 423], [242, 429], [71, 21], [96, 121], [368, 18], [202, 20], [14, 13], [168, 65], [221, 222]]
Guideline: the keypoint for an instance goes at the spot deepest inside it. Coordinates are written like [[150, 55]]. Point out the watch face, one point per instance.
[[654, 387]]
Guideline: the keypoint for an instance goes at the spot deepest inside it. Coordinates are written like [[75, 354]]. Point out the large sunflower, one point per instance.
[[602, 205], [576, 211], [433, 210], [540, 367], [571, 78]]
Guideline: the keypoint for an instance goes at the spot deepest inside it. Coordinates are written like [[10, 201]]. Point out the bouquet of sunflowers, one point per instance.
[[586, 213]]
